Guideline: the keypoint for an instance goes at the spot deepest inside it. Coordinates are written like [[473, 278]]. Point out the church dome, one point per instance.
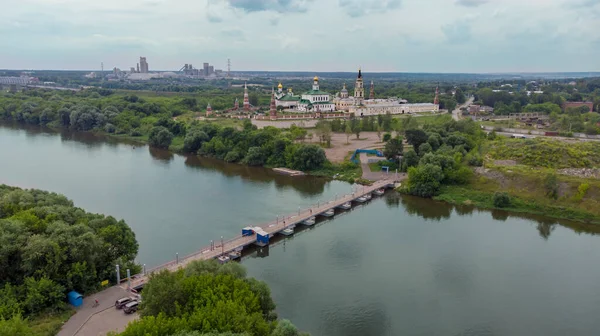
[[280, 86], [344, 89], [316, 78]]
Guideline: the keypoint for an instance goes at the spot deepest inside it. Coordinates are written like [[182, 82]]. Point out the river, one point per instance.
[[395, 266]]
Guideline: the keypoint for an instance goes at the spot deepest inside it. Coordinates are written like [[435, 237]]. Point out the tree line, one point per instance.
[[49, 247]]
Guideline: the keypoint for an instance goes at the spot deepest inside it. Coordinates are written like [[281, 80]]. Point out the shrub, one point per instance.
[[109, 128], [581, 191], [135, 132], [160, 137], [551, 186], [387, 137], [501, 200]]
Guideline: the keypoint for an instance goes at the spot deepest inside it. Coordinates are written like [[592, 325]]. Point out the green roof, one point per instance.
[[315, 92], [290, 98]]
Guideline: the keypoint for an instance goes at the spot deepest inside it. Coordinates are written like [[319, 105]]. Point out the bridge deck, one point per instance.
[[271, 228]]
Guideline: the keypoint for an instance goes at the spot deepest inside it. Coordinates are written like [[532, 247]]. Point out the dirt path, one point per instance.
[[339, 149]]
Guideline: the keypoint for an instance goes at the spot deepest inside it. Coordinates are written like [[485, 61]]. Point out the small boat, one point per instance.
[[368, 196], [223, 259], [235, 255], [310, 221], [288, 231], [379, 192], [345, 206], [361, 199], [329, 213]]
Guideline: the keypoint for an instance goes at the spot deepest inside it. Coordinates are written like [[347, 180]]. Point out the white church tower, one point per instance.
[[359, 90]]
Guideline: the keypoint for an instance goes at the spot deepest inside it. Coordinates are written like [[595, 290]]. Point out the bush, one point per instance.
[[501, 200], [135, 132], [109, 128], [160, 137], [387, 137], [474, 160]]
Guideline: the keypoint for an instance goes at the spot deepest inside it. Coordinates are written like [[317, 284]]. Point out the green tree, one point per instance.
[[160, 137], [460, 96], [193, 140], [255, 157], [410, 159], [393, 149], [308, 157], [551, 185], [425, 148], [348, 133], [416, 137], [425, 180]]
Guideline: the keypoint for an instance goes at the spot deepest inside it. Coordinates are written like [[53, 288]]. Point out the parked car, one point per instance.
[[120, 303], [131, 307]]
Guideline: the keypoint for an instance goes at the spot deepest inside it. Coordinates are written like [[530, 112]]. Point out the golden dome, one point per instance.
[[316, 78], [280, 86]]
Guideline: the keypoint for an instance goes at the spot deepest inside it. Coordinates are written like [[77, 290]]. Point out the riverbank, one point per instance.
[[528, 194]]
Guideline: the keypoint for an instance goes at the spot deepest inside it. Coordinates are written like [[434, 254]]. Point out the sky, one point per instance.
[[448, 36]]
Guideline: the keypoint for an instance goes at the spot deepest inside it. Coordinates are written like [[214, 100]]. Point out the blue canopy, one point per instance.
[[75, 298]]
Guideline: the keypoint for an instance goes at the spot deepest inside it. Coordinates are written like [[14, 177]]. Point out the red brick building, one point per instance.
[[567, 105]]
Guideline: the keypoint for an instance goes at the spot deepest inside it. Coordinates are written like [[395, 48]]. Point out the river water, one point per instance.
[[395, 266]]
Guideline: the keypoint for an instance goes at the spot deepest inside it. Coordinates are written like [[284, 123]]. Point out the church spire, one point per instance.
[[372, 93], [246, 99], [436, 100], [273, 107], [208, 110], [359, 73]]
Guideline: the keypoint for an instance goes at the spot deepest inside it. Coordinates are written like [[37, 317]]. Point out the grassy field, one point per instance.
[[548, 153], [49, 324]]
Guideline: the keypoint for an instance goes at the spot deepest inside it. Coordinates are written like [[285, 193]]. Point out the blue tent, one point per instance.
[[75, 298]]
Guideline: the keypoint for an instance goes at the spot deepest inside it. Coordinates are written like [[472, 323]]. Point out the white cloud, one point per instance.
[[312, 35]]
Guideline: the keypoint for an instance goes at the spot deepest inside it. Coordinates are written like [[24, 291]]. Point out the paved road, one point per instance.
[[85, 313], [536, 134], [457, 114]]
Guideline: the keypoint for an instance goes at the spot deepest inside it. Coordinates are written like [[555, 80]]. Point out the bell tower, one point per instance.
[[359, 89]]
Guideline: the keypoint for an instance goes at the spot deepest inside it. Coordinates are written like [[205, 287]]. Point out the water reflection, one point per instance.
[[433, 210], [307, 186], [161, 155]]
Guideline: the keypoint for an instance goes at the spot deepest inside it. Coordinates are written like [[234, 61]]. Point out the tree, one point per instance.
[[160, 137], [255, 157], [393, 149], [551, 186], [434, 141], [410, 159], [425, 148], [308, 157], [193, 140], [387, 137], [387, 122], [501, 200], [348, 133], [379, 130], [424, 180], [204, 298], [460, 96], [416, 137]]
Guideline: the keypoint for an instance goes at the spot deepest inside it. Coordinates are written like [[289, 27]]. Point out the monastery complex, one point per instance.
[[319, 101]]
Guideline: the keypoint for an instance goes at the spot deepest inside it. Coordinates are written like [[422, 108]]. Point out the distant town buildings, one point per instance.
[[143, 65]]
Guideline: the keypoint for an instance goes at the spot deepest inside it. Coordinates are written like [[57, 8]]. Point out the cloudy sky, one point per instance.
[[303, 35]]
